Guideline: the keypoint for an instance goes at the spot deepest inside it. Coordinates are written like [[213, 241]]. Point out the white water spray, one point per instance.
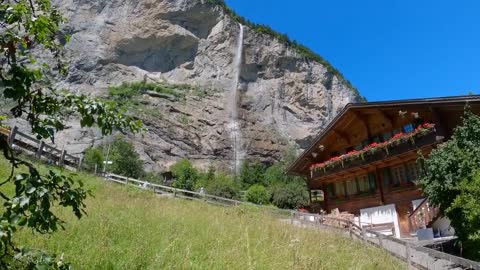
[[233, 123]]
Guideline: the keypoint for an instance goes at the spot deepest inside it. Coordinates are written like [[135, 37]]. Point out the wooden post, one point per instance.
[[350, 228], [364, 235], [175, 192], [291, 217], [126, 181], [11, 137], [40, 150], [62, 158], [380, 240], [407, 255]]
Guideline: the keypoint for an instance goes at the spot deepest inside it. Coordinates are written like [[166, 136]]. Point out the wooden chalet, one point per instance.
[[367, 156]]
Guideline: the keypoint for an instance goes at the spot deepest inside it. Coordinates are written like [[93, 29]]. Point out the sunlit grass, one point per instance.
[[131, 229]]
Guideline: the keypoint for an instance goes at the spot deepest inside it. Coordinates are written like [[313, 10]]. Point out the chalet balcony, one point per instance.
[[413, 144]]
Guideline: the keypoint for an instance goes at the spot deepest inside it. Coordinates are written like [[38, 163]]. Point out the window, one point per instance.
[[330, 191], [372, 182], [398, 175], [339, 189], [413, 172], [363, 185], [351, 187], [387, 177], [408, 128]]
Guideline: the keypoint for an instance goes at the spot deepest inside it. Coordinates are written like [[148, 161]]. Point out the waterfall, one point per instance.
[[233, 124]]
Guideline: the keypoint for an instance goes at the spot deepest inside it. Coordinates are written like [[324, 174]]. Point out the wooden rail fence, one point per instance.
[[414, 254], [39, 148]]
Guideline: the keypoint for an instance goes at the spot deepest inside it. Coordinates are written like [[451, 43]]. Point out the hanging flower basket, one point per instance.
[[374, 148]]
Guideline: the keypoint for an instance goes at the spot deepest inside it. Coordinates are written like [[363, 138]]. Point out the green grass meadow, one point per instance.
[[128, 228]]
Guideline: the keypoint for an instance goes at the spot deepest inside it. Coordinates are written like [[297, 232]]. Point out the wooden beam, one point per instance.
[[364, 122], [342, 135], [390, 119]]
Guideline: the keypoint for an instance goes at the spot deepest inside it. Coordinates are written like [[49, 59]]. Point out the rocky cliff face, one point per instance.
[[283, 98]]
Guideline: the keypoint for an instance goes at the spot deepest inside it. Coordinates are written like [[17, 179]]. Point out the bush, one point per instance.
[[451, 182], [258, 194], [93, 158], [125, 160], [185, 175], [224, 186], [290, 195]]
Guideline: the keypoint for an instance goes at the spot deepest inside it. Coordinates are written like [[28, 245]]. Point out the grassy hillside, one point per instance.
[[131, 229]]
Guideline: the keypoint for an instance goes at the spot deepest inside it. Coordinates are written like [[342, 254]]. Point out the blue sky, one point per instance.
[[388, 49]]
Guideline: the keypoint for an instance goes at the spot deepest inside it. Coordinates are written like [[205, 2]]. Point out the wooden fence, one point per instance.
[[414, 254], [39, 148], [189, 195]]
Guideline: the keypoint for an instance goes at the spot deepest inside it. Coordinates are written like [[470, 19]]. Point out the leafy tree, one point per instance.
[[450, 181], [26, 83], [185, 175], [258, 194], [125, 160], [93, 159], [223, 185], [275, 174], [290, 195], [251, 173]]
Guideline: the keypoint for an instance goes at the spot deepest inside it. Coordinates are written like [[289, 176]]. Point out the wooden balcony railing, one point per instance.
[[404, 147], [422, 216]]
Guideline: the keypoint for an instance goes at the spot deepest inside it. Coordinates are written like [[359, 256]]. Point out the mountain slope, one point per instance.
[[282, 97]]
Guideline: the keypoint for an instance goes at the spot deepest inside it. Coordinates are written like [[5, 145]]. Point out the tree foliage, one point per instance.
[[93, 159], [258, 194], [251, 172], [223, 185], [450, 180], [290, 195], [125, 160], [186, 176], [27, 26]]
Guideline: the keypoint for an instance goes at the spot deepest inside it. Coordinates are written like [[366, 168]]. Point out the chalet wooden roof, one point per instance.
[[456, 103]]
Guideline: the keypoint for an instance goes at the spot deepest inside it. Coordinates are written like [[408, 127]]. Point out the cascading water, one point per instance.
[[233, 124]]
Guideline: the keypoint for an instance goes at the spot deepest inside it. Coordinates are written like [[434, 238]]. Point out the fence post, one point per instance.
[[380, 239], [62, 157], [350, 228], [40, 149], [12, 135], [80, 159], [363, 235], [407, 255], [174, 192], [126, 181], [291, 217]]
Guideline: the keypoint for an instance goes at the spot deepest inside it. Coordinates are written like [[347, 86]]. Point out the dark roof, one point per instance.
[[377, 104]]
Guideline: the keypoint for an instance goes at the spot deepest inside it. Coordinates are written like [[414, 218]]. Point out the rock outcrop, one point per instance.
[[284, 98]]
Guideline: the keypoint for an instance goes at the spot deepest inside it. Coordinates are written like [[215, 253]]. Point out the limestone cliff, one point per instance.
[[283, 97]]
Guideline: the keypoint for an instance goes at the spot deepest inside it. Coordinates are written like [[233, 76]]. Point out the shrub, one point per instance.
[[93, 159], [450, 181], [185, 175], [258, 194], [290, 195], [223, 185], [125, 160]]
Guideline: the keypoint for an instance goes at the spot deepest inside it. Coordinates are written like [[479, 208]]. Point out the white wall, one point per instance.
[[379, 215]]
